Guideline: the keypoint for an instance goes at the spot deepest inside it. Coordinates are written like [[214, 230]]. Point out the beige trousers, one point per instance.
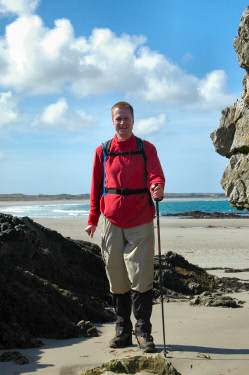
[[128, 254]]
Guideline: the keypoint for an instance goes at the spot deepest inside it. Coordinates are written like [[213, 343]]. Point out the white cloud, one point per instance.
[[213, 91], [8, 109], [58, 115], [150, 125], [2, 156], [19, 7], [54, 113], [45, 61]]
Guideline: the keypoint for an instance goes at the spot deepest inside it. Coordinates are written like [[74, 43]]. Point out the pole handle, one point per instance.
[[155, 185], [157, 199]]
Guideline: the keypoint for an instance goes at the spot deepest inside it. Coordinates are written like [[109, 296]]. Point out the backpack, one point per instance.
[[140, 149], [106, 152]]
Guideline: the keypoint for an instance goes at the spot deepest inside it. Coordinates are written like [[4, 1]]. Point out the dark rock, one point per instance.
[[233, 284], [208, 215], [181, 279], [235, 270], [48, 284], [215, 300], [87, 329], [16, 357], [180, 276]]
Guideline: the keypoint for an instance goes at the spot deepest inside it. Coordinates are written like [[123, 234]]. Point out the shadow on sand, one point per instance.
[[204, 349], [34, 355]]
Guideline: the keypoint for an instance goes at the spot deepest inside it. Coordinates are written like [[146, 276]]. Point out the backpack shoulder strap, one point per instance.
[[141, 147], [106, 147], [106, 150]]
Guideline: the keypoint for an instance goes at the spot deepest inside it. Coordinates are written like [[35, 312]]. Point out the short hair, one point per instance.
[[123, 105]]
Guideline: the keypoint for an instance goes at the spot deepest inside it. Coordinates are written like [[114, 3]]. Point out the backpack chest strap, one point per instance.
[[125, 192], [123, 153]]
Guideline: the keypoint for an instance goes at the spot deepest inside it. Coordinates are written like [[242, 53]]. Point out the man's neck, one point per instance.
[[119, 138]]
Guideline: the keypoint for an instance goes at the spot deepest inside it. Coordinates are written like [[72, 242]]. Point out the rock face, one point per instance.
[[231, 139]]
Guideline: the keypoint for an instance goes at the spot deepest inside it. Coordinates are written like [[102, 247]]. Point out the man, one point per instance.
[[131, 174]]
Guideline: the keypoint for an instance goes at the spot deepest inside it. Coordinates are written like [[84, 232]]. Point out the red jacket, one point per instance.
[[127, 172]]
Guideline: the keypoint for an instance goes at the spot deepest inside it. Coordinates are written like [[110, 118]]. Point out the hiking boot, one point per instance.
[[142, 309], [121, 341], [145, 342]]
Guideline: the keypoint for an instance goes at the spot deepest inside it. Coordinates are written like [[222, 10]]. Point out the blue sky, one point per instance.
[[64, 63]]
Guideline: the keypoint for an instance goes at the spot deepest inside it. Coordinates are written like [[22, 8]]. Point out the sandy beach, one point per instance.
[[201, 340], [205, 242]]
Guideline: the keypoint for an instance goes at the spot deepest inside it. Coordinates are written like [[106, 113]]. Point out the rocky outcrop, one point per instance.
[[181, 279], [235, 180], [180, 276], [231, 139], [208, 215], [50, 286], [132, 365], [215, 300], [240, 43], [16, 357]]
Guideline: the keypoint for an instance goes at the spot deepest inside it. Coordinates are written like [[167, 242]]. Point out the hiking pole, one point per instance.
[[160, 270]]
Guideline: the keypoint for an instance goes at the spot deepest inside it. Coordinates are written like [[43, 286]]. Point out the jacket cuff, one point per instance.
[[93, 219]]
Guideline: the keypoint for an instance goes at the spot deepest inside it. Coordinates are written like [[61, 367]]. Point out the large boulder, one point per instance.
[[235, 180], [231, 139], [223, 137]]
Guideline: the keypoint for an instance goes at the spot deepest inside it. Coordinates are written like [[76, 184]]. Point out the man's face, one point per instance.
[[123, 123]]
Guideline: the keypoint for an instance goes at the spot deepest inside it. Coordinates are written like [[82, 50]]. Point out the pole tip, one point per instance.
[[164, 353]]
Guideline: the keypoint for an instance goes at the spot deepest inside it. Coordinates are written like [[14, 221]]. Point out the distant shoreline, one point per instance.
[[10, 198], [42, 197]]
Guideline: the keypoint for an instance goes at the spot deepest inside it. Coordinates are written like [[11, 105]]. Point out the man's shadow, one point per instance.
[[203, 349]]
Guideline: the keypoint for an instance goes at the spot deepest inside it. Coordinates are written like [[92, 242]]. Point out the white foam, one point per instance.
[[16, 210], [47, 210], [72, 211]]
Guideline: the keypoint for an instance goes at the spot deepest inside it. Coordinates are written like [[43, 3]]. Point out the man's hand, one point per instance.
[[157, 192], [90, 229]]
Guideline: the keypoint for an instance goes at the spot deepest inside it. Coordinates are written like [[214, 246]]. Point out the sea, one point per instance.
[[77, 210]]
